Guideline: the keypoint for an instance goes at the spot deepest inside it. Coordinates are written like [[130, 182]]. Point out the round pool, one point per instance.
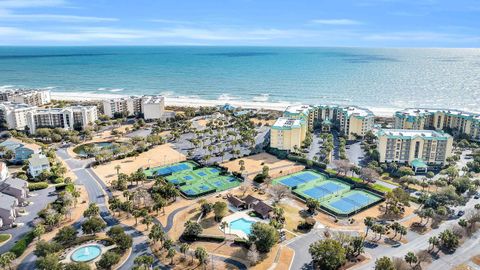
[[86, 253]]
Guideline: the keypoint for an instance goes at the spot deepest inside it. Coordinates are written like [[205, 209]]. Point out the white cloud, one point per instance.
[[7, 16], [336, 21], [30, 3]]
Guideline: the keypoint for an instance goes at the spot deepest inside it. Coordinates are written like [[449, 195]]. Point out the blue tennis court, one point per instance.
[[172, 169], [316, 193], [188, 177], [297, 179], [359, 199], [202, 174], [213, 170], [344, 206], [205, 188], [189, 192]]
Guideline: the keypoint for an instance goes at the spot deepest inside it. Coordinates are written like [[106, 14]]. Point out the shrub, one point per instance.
[[37, 186], [59, 180], [307, 224], [242, 242], [22, 244], [210, 238]]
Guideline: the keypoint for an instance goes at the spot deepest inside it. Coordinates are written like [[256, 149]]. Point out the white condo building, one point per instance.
[[152, 107], [33, 97], [15, 114], [68, 118]]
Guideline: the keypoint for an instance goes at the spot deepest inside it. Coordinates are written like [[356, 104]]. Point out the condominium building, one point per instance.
[[33, 97], [454, 121], [418, 148], [68, 118], [302, 112], [14, 115], [288, 133], [151, 107], [351, 121]]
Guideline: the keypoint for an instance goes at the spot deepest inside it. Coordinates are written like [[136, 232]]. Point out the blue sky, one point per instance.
[[363, 23]]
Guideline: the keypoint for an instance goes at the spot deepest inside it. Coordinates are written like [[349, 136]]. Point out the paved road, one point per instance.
[[421, 242], [39, 199]]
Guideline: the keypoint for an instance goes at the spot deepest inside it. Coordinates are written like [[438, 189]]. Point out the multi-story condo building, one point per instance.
[[14, 115], [418, 148], [151, 107], [288, 133], [454, 121], [351, 121], [33, 97], [68, 118], [302, 112]]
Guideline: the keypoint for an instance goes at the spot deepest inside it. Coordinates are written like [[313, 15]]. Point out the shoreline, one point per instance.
[[191, 102]]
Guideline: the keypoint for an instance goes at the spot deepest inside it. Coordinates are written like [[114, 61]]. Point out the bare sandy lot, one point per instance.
[[158, 156], [254, 165]]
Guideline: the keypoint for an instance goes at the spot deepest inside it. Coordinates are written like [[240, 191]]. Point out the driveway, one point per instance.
[[39, 199]]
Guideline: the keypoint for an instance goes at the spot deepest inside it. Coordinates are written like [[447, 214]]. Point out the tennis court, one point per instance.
[[351, 201], [299, 178], [170, 169], [199, 182], [321, 189]]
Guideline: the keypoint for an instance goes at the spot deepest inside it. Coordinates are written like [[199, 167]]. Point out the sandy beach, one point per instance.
[[179, 101]]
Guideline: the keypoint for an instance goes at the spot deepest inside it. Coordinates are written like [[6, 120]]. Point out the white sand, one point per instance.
[[179, 101]]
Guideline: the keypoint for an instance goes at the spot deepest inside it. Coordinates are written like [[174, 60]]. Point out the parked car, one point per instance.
[[460, 213]]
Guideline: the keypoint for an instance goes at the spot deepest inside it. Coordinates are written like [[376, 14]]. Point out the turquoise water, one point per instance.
[[86, 253], [361, 76], [242, 225]]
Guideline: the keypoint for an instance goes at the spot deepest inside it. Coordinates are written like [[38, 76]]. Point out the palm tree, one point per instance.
[[184, 249], [147, 220], [410, 258], [433, 241], [224, 226], [369, 222], [117, 168], [171, 254]]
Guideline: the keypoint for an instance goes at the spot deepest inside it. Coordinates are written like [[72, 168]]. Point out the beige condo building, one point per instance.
[[288, 133], [417, 148], [453, 121]]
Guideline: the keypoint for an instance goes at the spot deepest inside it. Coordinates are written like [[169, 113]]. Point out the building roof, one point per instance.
[[356, 111], [327, 122], [235, 201], [411, 134], [13, 143], [262, 208], [37, 160], [15, 183], [7, 201], [419, 163], [250, 199], [287, 123]]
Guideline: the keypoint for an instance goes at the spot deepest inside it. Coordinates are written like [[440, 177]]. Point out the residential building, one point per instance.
[[153, 107], [8, 209], [351, 121], [15, 187], [21, 151], [301, 112], [33, 97], [68, 118], [14, 115], [453, 121], [288, 133], [418, 148], [37, 164]]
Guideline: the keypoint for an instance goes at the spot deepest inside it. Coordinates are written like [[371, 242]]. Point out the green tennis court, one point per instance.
[[203, 181], [294, 180], [170, 169], [321, 189]]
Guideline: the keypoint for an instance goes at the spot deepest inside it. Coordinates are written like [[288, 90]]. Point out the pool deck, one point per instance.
[[238, 215]]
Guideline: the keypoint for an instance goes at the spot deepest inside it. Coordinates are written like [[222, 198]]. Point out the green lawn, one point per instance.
[[4, 237]]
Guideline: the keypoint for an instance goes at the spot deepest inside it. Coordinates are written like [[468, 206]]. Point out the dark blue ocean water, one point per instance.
[[367, 77]]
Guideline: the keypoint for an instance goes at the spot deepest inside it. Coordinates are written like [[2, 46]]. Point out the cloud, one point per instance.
[[336, 22], [7, 16], [30, 3]]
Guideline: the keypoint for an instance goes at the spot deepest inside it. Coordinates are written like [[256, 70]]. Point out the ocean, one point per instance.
[[374, 78]]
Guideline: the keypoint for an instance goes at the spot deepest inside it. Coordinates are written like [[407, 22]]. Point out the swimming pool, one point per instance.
[[243, 225], [86, 253]]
